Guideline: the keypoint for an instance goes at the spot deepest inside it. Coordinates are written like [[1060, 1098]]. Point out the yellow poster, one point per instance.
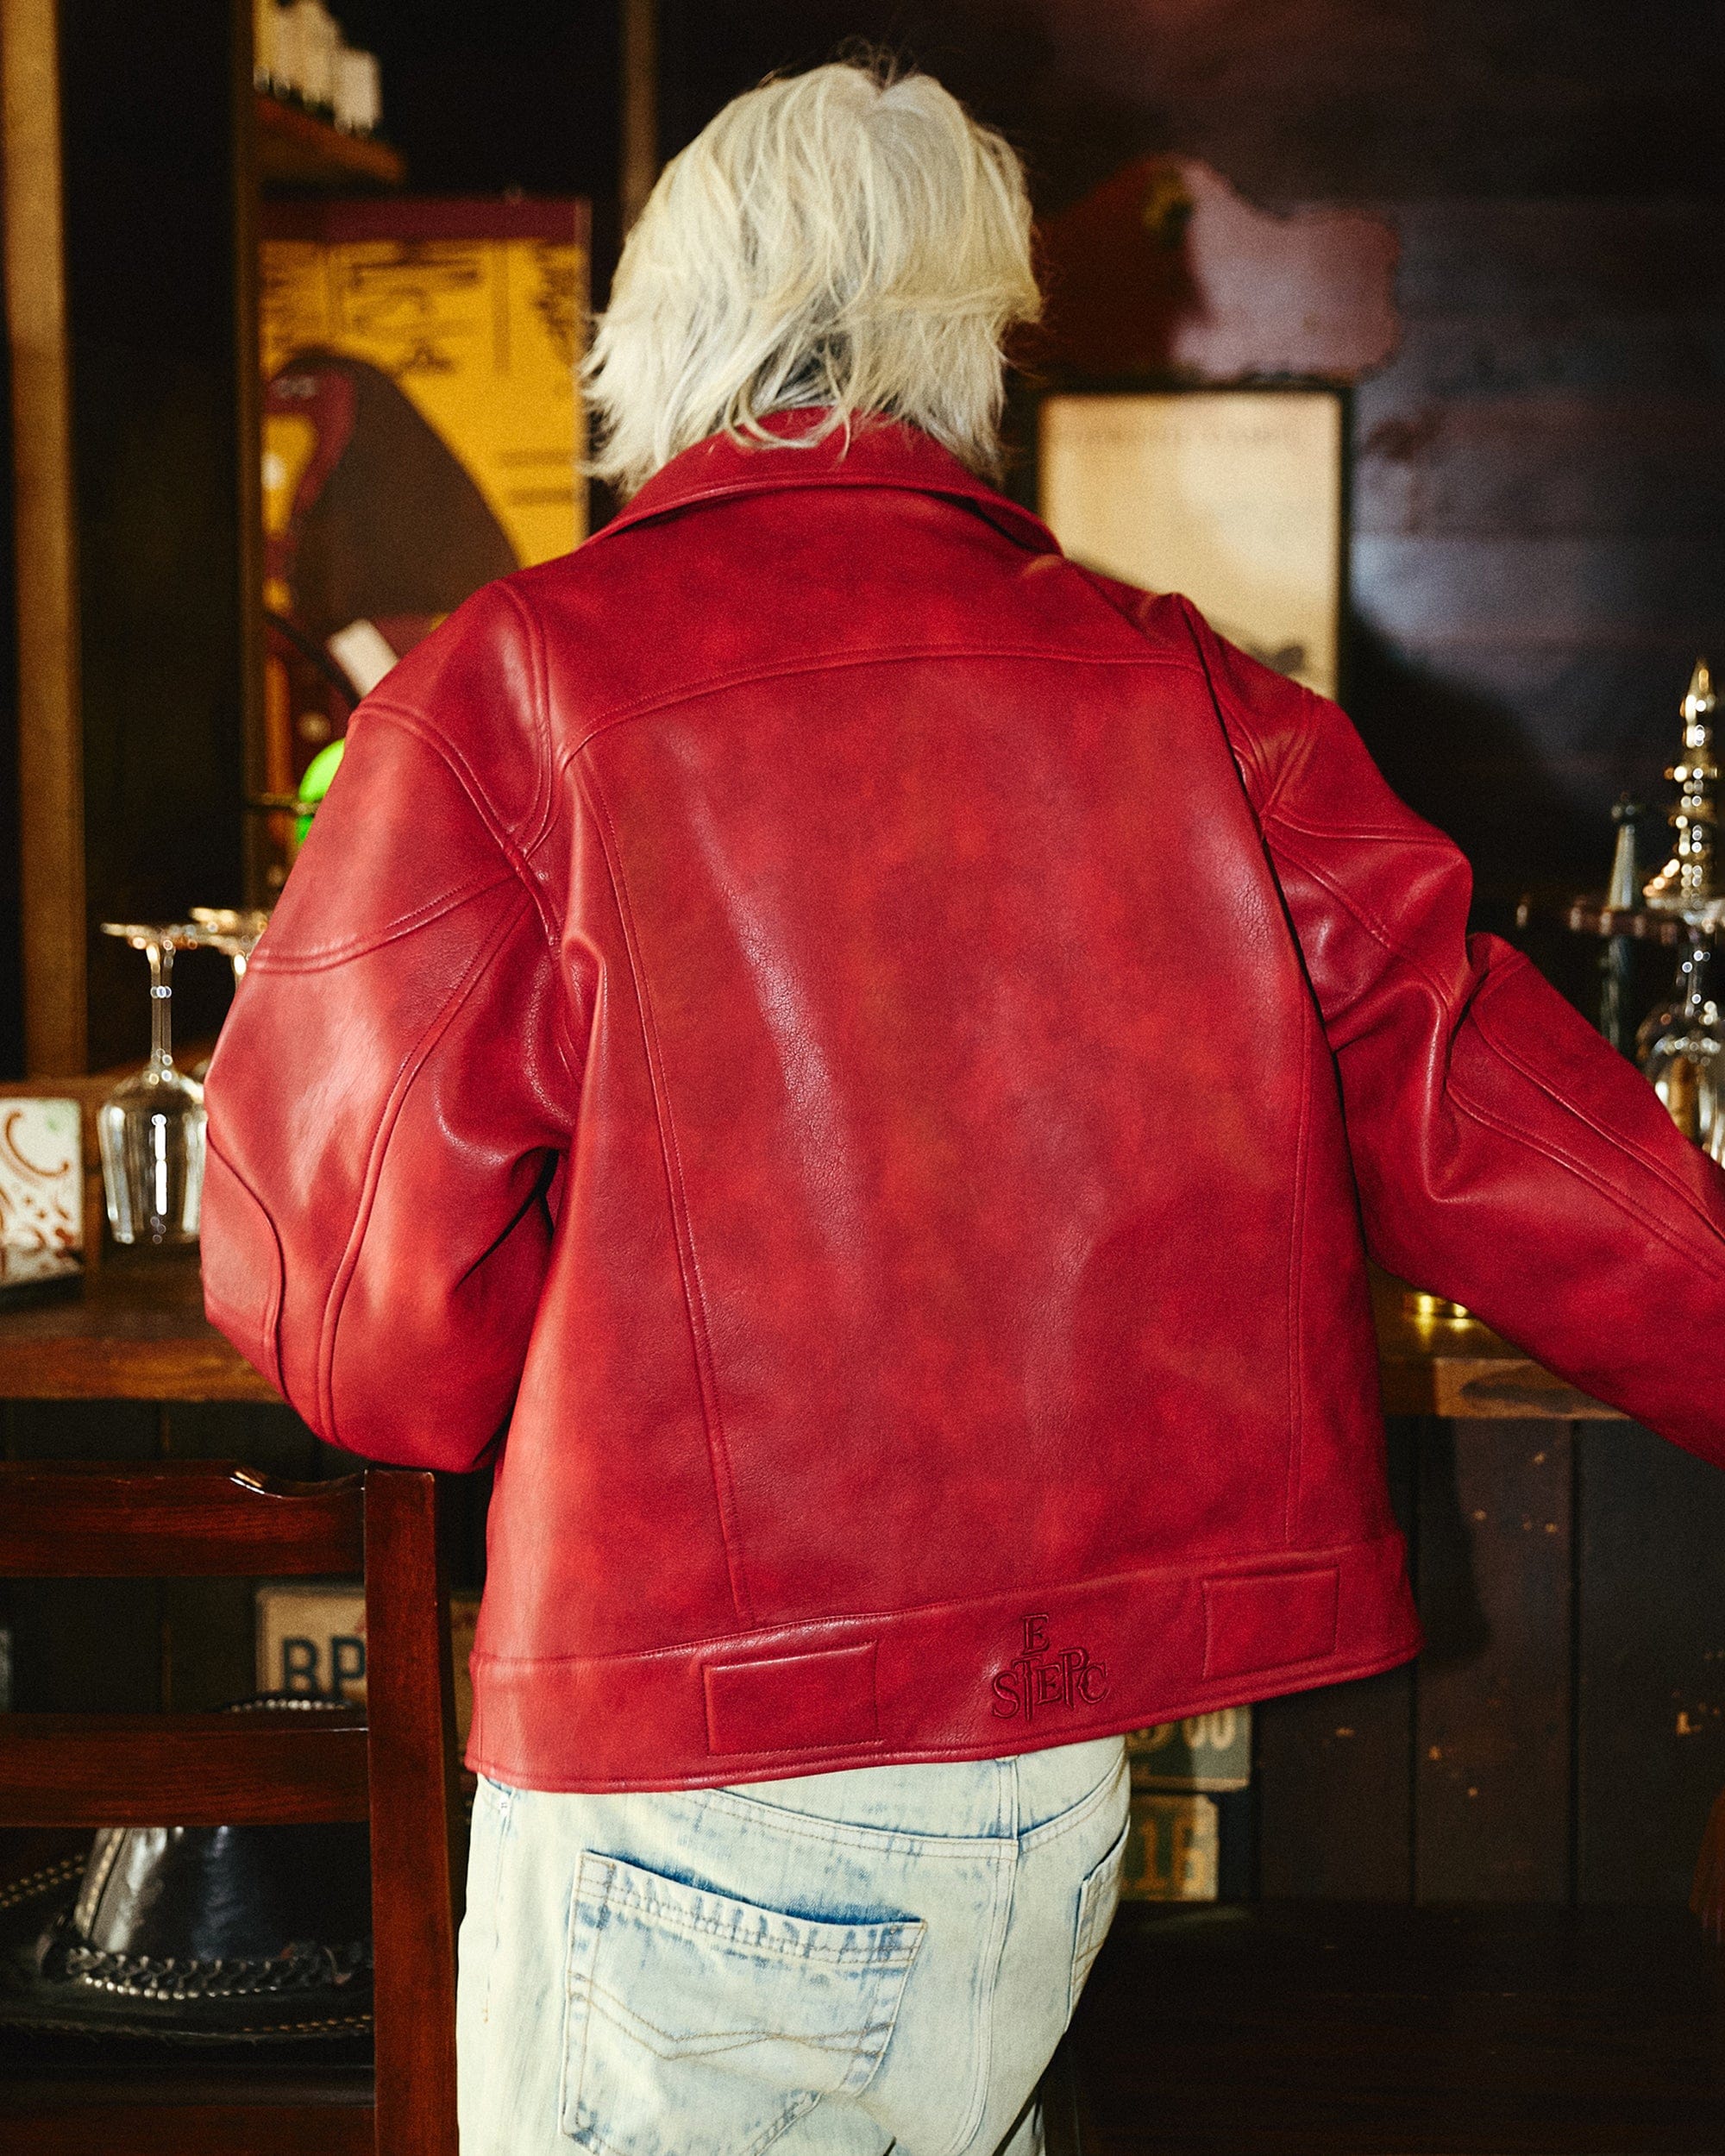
[[422, 429]]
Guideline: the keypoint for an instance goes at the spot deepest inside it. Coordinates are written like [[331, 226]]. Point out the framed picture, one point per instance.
[[1231, 496]]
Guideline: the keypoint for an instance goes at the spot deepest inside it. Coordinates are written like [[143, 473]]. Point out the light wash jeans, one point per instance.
[[844, 1964]]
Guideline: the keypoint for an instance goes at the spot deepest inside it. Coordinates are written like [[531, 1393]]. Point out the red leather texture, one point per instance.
[[858, 1063]]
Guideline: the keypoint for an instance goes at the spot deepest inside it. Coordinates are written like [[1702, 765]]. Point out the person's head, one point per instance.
[[838, 238]]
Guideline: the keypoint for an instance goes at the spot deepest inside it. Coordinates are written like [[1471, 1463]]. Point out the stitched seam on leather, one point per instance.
[[325, 957], [270, 1329], [694, 1298], [837, 661], [1213, 1690], [1715, 1261], [381, 705], [552, 930], [540, 702], [1296, 1248], [1381, 935], [1434, 841], [1374, 928], [1483, 993], [1491, 1121], [1295, 764], [1247, 747], [1276, 1561], [517, 862], [412, 1063], [1646, 1160], [415, 722]]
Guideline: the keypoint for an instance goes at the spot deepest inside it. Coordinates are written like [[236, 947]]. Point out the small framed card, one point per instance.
[[42, 1194]]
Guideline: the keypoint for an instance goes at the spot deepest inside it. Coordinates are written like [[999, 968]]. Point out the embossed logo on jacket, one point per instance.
[[1040, 1676]]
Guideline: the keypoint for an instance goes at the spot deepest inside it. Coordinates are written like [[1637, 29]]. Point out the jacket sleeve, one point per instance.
[[1505, 1154], [389, 1102]]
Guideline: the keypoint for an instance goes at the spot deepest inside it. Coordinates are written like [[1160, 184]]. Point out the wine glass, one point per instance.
[[151, 1126], [233, 930]]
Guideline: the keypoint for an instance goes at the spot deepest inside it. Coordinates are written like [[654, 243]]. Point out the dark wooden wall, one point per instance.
[[1562, 1737], [1538, 518], [152, 297]]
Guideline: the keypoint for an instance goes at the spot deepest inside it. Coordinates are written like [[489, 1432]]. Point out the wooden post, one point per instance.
[[250, 418], [416, 1873], [50, 723], [640, 161]]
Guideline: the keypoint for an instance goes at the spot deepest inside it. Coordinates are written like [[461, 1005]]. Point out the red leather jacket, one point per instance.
[[859, 1063]]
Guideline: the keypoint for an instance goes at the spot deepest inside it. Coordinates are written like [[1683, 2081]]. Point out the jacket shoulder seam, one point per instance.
[[1384, 832], [1296, 1269], [1373, 927], [324, 957], [518, 859], [889, 655], [539, 819], [411, 720], [1239, 736]]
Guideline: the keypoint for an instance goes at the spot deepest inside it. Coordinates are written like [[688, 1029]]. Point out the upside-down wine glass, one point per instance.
[[151, 1124], [232, 930]]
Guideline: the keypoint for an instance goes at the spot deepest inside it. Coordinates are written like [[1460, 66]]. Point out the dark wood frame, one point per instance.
[[393, 1765], [50, 709]]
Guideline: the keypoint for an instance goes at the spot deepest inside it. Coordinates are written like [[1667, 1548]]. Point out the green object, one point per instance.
[[316, 783]]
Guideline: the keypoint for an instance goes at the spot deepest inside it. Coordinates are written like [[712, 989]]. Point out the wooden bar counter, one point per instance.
[[1459, 1369], [136, 1331]]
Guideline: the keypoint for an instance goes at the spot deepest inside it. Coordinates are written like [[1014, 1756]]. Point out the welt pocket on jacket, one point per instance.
[[701, 2026], [242, 1267], [1266, 1620]]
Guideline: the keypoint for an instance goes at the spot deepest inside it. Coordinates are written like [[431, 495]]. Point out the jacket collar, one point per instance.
[[879, 452]]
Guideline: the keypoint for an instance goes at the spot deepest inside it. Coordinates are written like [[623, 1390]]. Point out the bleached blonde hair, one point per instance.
[[837, 238]]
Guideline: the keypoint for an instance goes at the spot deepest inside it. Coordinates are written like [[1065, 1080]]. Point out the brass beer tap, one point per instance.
[[1689, 883]]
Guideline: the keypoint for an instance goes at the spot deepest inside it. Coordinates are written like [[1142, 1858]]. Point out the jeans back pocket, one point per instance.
[[1098, 1898], [699, 2026]]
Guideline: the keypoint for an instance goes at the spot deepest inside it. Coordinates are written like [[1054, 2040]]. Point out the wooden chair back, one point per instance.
[[392, 1763]]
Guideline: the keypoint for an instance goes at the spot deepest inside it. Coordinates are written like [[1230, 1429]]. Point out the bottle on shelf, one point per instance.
[[300, 56], [1689, 884], [1681, 1048], [1623, 895]]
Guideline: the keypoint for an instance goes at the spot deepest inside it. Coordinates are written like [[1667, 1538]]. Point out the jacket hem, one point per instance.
[[986, 1678]]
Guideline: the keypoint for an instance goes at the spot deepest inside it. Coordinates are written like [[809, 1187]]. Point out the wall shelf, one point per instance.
[[297, 149]]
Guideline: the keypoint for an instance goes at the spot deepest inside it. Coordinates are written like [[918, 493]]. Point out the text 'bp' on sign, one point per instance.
[[311, 1638]]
